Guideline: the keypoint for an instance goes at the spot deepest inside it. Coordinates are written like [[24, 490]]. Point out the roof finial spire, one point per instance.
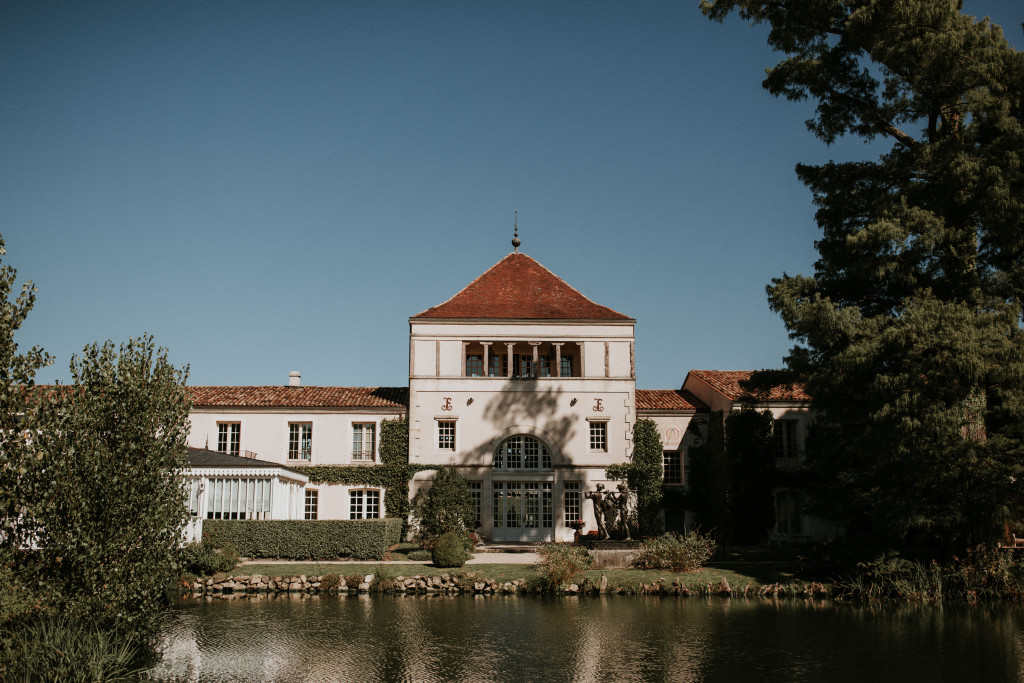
[[515, 237]]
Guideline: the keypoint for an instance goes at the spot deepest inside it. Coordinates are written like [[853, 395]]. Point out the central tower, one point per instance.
[[528, 387]]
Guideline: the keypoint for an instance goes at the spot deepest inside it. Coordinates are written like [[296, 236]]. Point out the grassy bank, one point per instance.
[[980, 575]]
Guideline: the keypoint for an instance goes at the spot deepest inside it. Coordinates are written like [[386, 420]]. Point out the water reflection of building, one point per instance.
[[520, 381]]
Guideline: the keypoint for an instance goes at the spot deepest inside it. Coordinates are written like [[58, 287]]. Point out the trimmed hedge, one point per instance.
[[323, 539]]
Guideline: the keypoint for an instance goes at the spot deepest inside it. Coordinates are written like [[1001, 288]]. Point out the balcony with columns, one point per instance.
[[522, 359]]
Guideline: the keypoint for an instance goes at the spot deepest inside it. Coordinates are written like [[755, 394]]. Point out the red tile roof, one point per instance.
[[727, 382], [668, 399], [301, 397], [517, 287]]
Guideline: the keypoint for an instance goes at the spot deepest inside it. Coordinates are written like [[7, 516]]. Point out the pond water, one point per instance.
[[620, 638]]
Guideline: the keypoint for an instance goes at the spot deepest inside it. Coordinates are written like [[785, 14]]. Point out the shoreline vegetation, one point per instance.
[[739, 572]]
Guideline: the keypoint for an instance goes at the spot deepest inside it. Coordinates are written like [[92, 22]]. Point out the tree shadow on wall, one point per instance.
[[527, 403]]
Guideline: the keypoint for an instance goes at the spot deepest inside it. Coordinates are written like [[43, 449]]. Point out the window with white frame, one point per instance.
[[572, 502], [673, 467], [446, 435], [363, 441], [474, 493], [364, 504], [193, 487], [599, 436], [786, 453], [522, 452], [312, 499], [229, 437], [238, 498], [300, 440]]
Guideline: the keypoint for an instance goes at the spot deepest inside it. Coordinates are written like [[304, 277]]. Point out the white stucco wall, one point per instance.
[[264, 431]]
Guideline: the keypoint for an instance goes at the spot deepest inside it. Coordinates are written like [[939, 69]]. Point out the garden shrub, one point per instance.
[[361, 539], [203, 559], [446, 506], [421, 555], [449, 551], [329, 582], [562, 564], [679, 552]]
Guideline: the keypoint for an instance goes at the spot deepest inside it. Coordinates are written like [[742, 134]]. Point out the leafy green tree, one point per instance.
[[19, 419], [751, 467], [708, 477], [111, 505], [644, 474], [647, 475], [909, 331], [447, 505]]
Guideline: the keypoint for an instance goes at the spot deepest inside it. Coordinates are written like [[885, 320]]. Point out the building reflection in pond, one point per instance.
[[452, 638]]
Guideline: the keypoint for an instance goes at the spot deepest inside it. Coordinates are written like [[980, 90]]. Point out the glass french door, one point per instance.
[[522, 511]]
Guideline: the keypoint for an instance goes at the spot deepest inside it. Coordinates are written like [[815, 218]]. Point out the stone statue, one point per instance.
[[622, 501], [597, 498], [610, 508]]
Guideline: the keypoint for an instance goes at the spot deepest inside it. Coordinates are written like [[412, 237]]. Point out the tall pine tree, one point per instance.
[[909, 332]]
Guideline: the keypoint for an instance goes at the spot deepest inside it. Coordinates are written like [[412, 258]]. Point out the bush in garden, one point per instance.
[[421, 555], [203, 559], [446, 506], [679, 552], [563, 563], [330, 582], [449, 550]]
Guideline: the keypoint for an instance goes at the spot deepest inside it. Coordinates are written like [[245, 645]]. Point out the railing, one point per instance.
[[304, 454], [362, 455]]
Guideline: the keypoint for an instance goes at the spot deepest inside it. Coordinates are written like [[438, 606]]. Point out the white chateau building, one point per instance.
[[519, 380]]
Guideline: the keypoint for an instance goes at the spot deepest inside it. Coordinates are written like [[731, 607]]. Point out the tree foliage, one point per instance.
[[19, 419], [908, 332], [446, 506], [110, 503], [731, 474], [91, 501], [707, 475], [645, 475], [751, 469]]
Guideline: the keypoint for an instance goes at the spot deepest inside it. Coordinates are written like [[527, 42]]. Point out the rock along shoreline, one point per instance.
[[334, 584]]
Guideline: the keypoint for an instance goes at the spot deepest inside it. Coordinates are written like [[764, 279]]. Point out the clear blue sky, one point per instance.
[[269, 187]]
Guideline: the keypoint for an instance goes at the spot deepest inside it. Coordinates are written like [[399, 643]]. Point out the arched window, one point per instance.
[[522, 452]]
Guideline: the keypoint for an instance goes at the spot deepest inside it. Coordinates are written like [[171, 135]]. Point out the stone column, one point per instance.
[[487, 358], [536, 358], [558, 358], [511, 359]]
